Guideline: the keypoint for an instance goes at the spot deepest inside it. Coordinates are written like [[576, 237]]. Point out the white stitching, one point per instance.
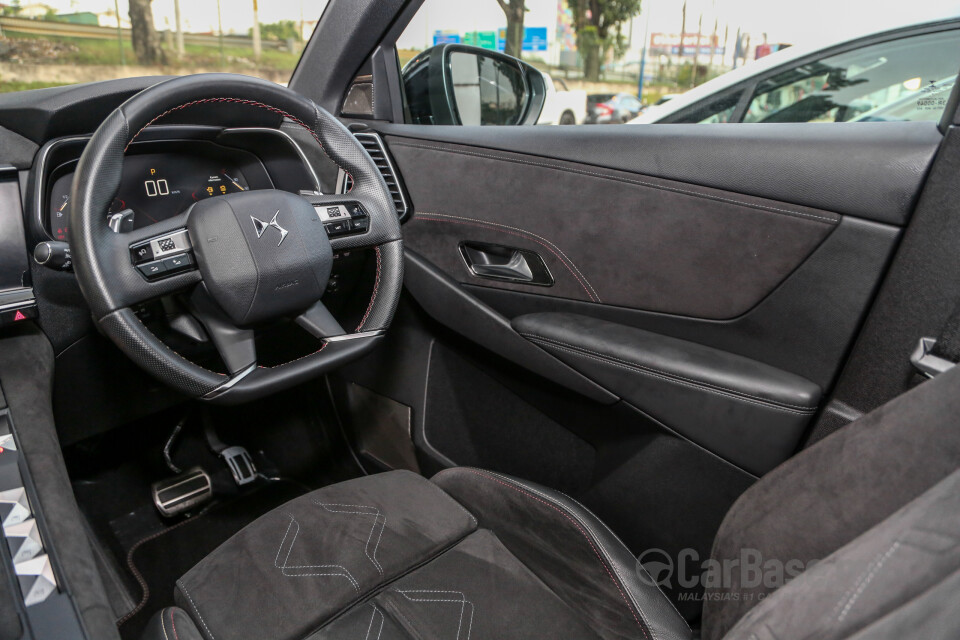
[[372, 556], [343, 573], [530, 233], [462, 601], [534, 337], [866, 580], [194, 605], [697, 386], [372, 616], [832, 221], [163, 625]]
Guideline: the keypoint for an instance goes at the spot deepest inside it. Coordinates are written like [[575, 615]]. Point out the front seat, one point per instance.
[[477, 554]]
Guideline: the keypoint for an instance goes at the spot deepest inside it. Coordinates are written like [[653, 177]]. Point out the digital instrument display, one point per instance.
[[13, 244], [154, 187]]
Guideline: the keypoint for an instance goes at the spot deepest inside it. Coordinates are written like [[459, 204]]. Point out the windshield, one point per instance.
[[59, 42]]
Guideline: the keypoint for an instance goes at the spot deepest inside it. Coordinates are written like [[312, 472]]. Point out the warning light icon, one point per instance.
[[19, 316]]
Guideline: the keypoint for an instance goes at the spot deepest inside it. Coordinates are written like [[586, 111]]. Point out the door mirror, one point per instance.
[[462, 85]]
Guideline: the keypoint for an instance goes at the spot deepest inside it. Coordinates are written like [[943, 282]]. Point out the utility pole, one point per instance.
[[726, 39], [646, 43], [713, 42], [220, 31], [123, 57], [683, 31], [176, 16], [736, 49], [696, 54], [256, 32]]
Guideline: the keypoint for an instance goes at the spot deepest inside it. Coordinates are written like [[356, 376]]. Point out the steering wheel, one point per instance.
[[244, 258]]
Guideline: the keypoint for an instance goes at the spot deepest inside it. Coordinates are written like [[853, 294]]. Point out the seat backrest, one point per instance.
[[886, 572], [832, 493]]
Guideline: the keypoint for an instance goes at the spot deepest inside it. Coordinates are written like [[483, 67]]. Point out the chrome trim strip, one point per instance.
[[355, 336], [229, 384], [18, 305], [16, 298]]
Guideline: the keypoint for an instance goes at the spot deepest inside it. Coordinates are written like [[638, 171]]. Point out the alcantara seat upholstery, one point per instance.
[[477, 554]]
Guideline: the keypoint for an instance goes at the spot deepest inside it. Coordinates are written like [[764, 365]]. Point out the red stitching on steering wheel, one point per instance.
[[373, 298], [243, 101], [252, 103]]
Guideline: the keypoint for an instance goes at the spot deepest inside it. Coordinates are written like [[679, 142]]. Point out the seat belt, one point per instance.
[[935, 356]]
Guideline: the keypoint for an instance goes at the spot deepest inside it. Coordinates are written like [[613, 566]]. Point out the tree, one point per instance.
[[598, 26], [514, 10], [146, 41], [282, 31]]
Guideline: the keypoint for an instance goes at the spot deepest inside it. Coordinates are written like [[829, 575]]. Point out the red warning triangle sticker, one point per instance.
[[19, 316]]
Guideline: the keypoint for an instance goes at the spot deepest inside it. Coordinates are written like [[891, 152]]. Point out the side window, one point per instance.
[[718, 111], [903, 79]]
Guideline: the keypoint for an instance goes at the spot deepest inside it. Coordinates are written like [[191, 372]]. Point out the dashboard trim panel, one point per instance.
[[43, 171]]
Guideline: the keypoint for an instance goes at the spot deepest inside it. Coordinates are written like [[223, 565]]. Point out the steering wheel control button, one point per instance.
[[141, 253], [337, 228], [343, 219], [153, 270], [177, 264]]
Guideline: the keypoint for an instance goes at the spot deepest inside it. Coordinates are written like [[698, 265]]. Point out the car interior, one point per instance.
[[448, 380]]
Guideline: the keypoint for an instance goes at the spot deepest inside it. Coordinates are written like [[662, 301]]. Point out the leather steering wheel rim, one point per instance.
[[112, 285]]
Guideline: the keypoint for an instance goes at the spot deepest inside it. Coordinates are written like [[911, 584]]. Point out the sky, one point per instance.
[[201, 15], [807, 22]]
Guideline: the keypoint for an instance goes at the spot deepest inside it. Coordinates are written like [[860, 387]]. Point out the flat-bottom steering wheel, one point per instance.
[[249, 258]]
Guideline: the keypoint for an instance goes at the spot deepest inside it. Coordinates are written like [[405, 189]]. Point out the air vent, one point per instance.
[[375, 147]]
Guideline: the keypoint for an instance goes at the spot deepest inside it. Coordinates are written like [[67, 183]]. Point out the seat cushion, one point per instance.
[[470, 555]]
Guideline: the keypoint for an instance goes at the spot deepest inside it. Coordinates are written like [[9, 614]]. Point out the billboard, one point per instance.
[[534, 39], [701, 44], [446, 37], [485, 39]]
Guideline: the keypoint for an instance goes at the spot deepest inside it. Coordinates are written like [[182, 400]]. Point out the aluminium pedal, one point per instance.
[[179, 494], [240, 464]]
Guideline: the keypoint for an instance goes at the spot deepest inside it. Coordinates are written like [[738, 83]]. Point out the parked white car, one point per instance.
[[562, 106], [834, 83]]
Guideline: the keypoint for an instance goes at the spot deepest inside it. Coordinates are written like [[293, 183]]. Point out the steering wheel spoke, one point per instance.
[[319, 322], [236, 346]]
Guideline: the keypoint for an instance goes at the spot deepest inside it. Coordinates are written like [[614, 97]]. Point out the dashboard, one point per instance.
[[163, 178], [154, 187]]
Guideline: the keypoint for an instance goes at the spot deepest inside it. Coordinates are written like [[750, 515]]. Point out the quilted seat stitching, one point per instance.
[[283, 568], [377, 515], [462, 601]]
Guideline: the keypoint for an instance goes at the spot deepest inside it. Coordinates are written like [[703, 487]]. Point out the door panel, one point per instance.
[[609, 237], [716, 277], [871, 170]]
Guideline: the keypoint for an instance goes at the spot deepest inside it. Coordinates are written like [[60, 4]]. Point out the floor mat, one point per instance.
[[159, 560]]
